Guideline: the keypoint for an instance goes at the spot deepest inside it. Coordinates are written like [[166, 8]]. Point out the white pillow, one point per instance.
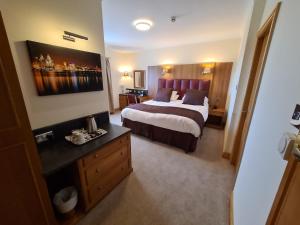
[[174, 96], [205, 101]]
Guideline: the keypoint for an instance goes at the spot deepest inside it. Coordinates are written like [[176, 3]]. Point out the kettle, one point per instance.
[[91, 124]]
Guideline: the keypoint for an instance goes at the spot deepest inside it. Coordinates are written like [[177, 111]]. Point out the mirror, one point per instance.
[[139, 78]]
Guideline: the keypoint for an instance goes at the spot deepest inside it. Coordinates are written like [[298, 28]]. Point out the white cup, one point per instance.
[[77, 138]]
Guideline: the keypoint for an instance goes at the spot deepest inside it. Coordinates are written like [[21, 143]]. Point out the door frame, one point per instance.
[[288, 182], [264, 38], [19, 133]]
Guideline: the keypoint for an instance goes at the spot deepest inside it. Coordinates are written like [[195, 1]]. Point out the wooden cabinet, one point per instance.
[[216, 118], [102, 170], [123, 100]]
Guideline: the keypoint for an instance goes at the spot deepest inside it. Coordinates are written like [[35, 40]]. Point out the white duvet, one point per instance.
[[172, 122]]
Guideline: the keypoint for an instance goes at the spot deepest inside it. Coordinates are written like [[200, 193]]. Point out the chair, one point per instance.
[[131, 99]]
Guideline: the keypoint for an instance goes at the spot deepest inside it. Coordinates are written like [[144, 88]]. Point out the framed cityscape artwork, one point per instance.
[[57, 70]]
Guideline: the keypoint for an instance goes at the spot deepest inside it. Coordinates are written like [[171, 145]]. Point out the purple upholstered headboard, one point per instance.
[[181, 85]]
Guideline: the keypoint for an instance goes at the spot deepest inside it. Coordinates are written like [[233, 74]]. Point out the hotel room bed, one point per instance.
[[171, 122]]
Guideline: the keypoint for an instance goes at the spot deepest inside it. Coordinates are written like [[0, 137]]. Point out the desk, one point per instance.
[[123, 100]]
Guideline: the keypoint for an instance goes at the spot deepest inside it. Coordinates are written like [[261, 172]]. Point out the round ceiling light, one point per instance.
[[143, 25]]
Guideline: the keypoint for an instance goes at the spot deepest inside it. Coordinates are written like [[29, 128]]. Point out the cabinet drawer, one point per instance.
[[107, 182], [96, 172], [98, 155]]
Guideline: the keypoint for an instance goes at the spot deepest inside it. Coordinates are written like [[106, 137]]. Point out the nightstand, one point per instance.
[[123, 101], [216, 118]]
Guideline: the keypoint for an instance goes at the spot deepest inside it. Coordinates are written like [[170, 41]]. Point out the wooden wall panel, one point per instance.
[[219, 80], [154, 73], [220, 85]]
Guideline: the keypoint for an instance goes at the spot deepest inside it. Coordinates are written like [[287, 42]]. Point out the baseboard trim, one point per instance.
[[226, 155], [231, 214]]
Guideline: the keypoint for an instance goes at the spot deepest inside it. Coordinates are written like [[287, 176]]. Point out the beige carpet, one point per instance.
[[170, 187]]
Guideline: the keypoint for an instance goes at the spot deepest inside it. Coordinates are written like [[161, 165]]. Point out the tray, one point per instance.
[[88, 137]]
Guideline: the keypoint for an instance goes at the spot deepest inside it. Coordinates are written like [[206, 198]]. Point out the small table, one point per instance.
[[216, 118]]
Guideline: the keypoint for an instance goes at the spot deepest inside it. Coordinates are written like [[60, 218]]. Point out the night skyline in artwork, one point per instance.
[[59, 70]]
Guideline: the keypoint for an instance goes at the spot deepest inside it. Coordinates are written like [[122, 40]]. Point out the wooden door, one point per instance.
[[23, 195], [285, 209], [260, 55]]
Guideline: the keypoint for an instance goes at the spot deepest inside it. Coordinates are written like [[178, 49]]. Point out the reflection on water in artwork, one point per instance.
[[59, 82]]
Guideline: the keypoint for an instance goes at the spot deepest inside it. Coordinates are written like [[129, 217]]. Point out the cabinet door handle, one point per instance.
[[96, 155], [97, 171], [99, 188]]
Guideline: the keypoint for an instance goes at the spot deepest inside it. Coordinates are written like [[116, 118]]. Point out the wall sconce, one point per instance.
[[125, 74], [69, 36], [208, 68], [166, 70]]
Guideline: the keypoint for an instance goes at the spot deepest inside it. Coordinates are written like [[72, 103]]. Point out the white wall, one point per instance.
[[119, 62], [262, 168], [236, 74], [243, 66], [45, 21], [218, 51]]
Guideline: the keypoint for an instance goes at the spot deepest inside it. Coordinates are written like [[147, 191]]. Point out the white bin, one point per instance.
[[66, 199]]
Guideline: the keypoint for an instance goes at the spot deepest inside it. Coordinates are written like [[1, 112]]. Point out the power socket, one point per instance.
[[40, 138]]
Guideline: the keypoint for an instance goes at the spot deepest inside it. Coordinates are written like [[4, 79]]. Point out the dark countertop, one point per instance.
[[59, 154]]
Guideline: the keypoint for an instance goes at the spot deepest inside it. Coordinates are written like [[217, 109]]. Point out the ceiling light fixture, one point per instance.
[[143, 25]]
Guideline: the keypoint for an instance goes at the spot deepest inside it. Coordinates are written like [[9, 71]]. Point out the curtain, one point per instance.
[[109, 85]]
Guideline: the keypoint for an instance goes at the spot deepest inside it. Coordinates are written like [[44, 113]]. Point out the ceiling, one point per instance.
[[197, 21]]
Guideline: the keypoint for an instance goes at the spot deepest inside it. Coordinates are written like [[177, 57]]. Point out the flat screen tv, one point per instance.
[[57, 70]]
